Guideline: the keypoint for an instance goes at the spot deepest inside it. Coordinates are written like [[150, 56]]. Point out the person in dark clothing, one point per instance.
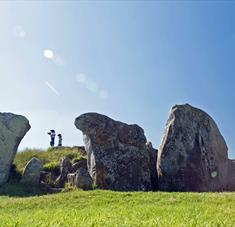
[[52, 135], [59, 140]]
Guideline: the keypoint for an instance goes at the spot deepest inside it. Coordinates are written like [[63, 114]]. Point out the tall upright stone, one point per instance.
[[117, 155], [12, 130], [193, 154]]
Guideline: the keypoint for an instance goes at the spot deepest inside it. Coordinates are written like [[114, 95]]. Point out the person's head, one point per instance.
[[59, 135], [53, 131]]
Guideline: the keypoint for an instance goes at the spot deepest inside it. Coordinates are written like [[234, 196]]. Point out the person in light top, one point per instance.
[[52, 136], [59, 140]]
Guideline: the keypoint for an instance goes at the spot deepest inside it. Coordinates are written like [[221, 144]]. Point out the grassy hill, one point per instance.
[[106, 208], [51, 156], [51, 161]]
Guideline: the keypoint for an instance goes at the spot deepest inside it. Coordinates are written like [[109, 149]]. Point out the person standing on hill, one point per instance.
[[59, 140], [52, 135]]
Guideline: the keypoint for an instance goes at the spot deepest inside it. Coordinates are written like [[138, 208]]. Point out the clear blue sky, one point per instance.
[[130, 60]]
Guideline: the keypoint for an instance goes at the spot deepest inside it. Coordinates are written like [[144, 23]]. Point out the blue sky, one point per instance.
[[130, 60]]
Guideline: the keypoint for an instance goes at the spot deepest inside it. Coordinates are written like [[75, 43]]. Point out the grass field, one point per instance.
[[106, 208], [24, 205]]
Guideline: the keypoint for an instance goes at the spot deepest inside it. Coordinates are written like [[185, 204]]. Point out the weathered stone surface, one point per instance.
[[12, 130], [231, 175], [193, 153], [65, 167], [117, 155], [31, 173], [80, 164], [83, 179], [152, 153], [79, 176], [47, 177], [80, 179], [71, 179]]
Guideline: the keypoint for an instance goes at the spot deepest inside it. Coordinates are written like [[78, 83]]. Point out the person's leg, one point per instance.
[[52, 142]]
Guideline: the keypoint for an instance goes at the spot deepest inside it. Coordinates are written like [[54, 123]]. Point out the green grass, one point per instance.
[[106, 208], [52, 155], [25, 205], [17, 189]]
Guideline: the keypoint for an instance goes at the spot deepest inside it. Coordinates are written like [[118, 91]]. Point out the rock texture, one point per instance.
[[45, 177], [83, 179], [31, 173], [80, 179], [12, 130], [231, 175], [117, 155], [79, 176], [65, 167], [193, 153], [71, 179], [152, 153], [80, 164]]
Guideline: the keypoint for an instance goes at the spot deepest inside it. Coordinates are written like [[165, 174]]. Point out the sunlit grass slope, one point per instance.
[[106, 208], [51, 162], [50, 156]]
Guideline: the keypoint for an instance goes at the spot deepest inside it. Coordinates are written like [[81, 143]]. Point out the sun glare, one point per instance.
[[48, 54]]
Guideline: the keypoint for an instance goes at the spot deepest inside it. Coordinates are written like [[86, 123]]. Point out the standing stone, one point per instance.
[[12, 130], [117, 156], [193, 154], [31, 173]]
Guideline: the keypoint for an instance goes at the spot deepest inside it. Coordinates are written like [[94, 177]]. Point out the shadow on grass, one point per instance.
[[17, 189]]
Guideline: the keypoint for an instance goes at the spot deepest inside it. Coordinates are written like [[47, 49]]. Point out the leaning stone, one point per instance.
[[117, 155], [12, 130]]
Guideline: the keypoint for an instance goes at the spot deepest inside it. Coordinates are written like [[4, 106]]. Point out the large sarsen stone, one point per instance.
[[117, 154], [193, 154], [12, 130]]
